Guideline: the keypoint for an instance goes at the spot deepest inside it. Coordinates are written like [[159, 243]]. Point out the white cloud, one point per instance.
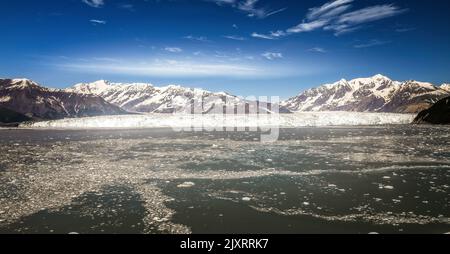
[[98, 22], [94, 3], [272, 55], [173, 49], [234, 37], [328, 9], [307, 27], [249, 6], [171, 68], [263, 36], [317, 50], [369, 14], [336, 16], [271, 36], [370, 44], [196, 38]]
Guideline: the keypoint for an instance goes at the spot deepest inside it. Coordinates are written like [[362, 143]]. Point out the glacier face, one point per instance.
[[213, 121], [374, 94]]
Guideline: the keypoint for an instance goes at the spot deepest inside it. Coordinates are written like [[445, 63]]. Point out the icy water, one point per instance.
[[314, 180]]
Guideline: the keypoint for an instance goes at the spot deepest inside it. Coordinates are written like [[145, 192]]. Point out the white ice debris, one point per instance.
[[212, 121], [186, 185]]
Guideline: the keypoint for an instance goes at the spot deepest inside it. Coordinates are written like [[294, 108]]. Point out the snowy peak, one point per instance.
[[21, 83], [445, 87], [146, 98], [373, 94], [104, 86]]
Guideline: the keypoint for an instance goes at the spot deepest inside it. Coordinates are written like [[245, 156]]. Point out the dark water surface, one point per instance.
[[313, 180]]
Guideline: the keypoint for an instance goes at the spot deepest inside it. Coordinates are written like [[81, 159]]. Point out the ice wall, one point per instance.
[[303, 119]]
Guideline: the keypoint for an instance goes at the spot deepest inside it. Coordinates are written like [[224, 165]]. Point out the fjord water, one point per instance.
[[385, 179]]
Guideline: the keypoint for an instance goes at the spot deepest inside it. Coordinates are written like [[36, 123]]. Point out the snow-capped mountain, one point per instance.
[[26, 97], [146, 98], [445, 87], [374, 94]]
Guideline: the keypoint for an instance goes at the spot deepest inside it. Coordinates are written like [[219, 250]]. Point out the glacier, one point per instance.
[[215, 121]]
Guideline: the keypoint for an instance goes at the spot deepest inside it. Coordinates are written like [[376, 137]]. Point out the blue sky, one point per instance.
[[245, 47]]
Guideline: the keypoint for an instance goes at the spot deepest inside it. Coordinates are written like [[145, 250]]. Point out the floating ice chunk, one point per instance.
[[305, 203], [246, 199], [186, 185], [374, 233], [74, 233], [388, 187]]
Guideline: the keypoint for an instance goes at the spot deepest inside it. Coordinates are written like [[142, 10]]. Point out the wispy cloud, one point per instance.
[[317, 50], [128, 7], [263, 36], [272, 55], [370, 44], [98, 22], [94, 3], [273, 35], [336, 16], [173, 49], [251, 7], [404, 29], [196, 38], [170, 68], [234, 37]]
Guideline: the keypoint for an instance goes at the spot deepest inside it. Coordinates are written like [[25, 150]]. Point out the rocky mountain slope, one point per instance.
[[374, 94], [146, 98], [36, 102], [439, 113], [8, 117]]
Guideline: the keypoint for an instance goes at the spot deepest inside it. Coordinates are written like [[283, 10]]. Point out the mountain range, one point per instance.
[[28, 100], [146, 98], [374, 94]]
